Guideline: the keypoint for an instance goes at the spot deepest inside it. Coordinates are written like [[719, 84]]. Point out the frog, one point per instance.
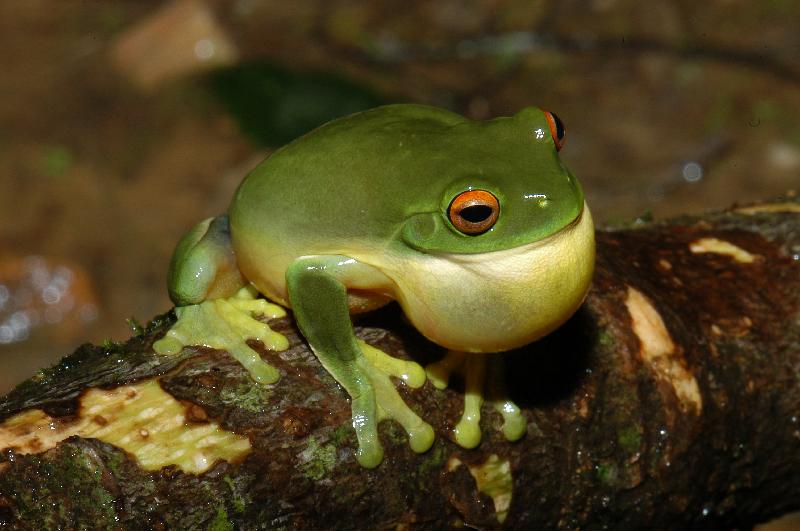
[[475, 228]]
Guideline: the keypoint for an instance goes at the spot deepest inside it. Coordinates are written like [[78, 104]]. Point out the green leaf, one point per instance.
[[273, 105]]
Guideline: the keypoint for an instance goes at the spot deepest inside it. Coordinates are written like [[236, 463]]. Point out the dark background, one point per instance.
[[122, 123]]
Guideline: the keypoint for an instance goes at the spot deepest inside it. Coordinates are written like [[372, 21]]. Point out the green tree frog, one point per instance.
[[475, 228]]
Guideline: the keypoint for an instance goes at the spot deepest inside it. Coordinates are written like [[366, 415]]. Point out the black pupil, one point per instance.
[[559, 126], [476, 213]]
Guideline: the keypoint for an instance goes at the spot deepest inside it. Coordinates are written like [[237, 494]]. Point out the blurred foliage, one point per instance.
[[273, 105], [56, 160]]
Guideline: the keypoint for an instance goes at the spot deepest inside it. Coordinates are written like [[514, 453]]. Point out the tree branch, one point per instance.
[[670, 400]]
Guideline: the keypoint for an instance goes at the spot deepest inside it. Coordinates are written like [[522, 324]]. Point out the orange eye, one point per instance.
[[556, 129], [474, 211]]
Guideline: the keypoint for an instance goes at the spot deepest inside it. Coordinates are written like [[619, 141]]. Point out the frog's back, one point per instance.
[[343, 178]]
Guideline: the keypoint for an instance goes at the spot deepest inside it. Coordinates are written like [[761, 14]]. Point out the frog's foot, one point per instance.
[[227, 324], [376, 398], [473, 368]]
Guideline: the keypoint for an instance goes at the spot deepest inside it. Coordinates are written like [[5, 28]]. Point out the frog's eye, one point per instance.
[[556, 129], [474, 211]]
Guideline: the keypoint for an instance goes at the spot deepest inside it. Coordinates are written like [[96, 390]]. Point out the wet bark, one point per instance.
[[669, 401]]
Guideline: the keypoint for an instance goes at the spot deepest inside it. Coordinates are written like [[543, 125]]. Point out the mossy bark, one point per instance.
[[670, 400]]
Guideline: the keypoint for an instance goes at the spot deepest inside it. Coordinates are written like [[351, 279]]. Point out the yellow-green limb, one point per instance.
[[515, 425], [227, 324], [473, 368], [468, 430], [379, 367], [317, 287]]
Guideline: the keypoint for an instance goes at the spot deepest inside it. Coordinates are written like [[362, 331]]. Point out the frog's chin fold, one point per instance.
[[497, 301]]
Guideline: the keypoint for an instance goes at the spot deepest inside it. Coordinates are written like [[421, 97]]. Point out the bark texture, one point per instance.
[[670, 400]]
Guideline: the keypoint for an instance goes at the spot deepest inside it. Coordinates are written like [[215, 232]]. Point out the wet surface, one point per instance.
[[108, 152]]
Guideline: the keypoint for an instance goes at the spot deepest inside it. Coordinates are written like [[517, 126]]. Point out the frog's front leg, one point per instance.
[[215, 307], [479, 372], [317, 288]]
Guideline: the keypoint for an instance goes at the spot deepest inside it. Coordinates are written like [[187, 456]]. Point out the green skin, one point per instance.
[[354, 214]]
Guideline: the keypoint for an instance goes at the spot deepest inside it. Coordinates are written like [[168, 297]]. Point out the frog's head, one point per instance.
[[508, 187], [504, 252]]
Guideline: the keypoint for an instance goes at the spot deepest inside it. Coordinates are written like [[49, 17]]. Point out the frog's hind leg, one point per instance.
[[478, 370], [318, 293], [215, 307]]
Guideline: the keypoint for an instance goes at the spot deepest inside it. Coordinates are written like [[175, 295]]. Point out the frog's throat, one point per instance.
[[496, 301]]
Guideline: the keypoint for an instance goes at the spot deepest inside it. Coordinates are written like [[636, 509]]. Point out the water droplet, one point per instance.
[[6, 334], [692, 172], [51, 294], [37, 270], [19, 321]]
